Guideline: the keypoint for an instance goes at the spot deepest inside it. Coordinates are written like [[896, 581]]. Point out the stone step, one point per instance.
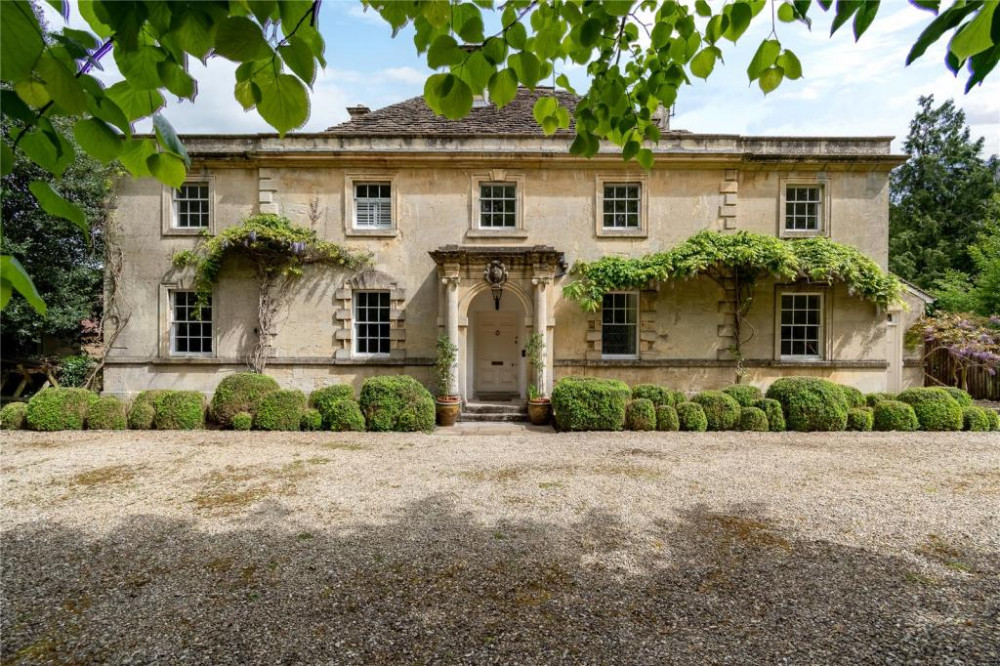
[[515, 417], [494, 408]]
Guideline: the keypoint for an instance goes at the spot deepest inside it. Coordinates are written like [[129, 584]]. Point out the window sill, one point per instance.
[[788, 233], [372, 233], [496, 233], [622, 233], [174, 231]]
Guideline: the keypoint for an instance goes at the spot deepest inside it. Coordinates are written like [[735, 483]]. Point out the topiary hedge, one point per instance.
[[179, 410], [396, 403], [976, 419], [936, 410], [59, 409], [107, 413], [745, 394], [678, 397], [240, 392], [280, 410], [242, 421], [666, 419], [589, 403], [640, 414], [323, 398], [852, 396], [775, 417], [721, 410], [860, 419], [658, 395], [961, 397], [753, 419], [810, 404], [13, 416], [142, 412], [994, 420], [344, 416], [873, 399], [692, 417], [894, 415], [312, 420]]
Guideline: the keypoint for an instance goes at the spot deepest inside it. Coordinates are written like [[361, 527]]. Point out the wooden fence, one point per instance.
[[939, 368]]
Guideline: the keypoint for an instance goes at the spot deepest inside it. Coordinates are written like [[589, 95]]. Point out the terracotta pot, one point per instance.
[[448, 408], [538, 411]]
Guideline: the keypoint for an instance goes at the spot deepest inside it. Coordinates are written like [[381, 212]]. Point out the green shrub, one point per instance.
[[107, 413], [936, 410], [396, 403], [74, 370], [344, 416], [873, 399], [141, 415], [640, 414], [894, 415], [589, 403], [753, 419], [179, 410], [13, 416], [312, 420], [655, 394], [59, 409], [745, 394], [666, 419], [240, 392], [975, 419], [325, 398], [961, 397], [721, 410], [860, 419], [242, 421], [692, 417], [810, 404], [678, 397], [994, 420], [852, 396], [775, 417], [280, 410]]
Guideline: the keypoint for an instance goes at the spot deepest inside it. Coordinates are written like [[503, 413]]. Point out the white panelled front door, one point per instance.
[[497, 352]]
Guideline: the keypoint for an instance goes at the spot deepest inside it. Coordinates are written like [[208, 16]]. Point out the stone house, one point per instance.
[[438, 202]]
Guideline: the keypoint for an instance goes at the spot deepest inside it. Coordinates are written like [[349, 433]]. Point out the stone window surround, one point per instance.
[[638, 298], [165, 321], [359, 177], [167, 212], [496, 176], [369, 280], [648, 335], [826, 306], [825, 219], [355, 306], [602, 179]]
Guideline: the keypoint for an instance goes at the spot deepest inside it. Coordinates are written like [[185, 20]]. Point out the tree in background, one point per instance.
[[979, 292]]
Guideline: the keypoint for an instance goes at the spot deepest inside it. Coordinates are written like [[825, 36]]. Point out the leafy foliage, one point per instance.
[[969, 340], [74, 370], [444, 367], [890, 415], [280, 410], [396, 403], [810, 404], [534, 351], [666, 419], [179, 410], [344, 416], [975, 419], [961, 397], [107, 413], [242, 421], [872, 399], [773, 412], [14, 416], [312, 420], [640, 415], [658, 395], [59, 409], [935, 409], [745, 394], [852, 396], [860, 419], [324, 399], [721, 409], [979, 292], [753, 419], [142, 411], [240, 392], [589, 403], [692, 417]]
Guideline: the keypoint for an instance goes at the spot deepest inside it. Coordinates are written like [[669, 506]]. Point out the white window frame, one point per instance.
[[380, 201], [351, 180], [496, 177], [601, 181], [823, 208], [632, 356], [169, 212], [356, 323], [820, 327], [513, 199], [172, 322], [637, 199]]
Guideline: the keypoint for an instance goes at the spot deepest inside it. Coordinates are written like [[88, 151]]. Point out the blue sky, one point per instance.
[[847, 89]]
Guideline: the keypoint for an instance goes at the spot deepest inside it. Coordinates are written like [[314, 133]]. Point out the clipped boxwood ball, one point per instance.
[[312, 420], [666, 419], [721, 410], [936, 410], [745, 394], [179, 410], [242, 421], [655, 394], [240, 392], [975, 419], [323, 398], [589, 403], [753, 419], [810, 404], [692, 417], [961, 397], [772, 410], [873, 399], [280, 410], [344, 416], [640, 415], [890, 415], [679, 397], [107, 413], [860, 419], [142, 412], [994, 420], [852, 396], [14, 416], [59, 409], [396, 403]]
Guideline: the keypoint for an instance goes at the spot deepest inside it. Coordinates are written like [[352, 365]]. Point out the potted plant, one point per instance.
[[448, 401], [539, 404]]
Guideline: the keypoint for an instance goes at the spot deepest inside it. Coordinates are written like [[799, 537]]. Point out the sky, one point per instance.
[[847, 88]]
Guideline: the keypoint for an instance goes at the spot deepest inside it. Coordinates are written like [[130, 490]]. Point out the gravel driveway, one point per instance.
[[501, 546]]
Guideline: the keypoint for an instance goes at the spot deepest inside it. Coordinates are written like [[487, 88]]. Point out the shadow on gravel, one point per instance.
[[436, 585]]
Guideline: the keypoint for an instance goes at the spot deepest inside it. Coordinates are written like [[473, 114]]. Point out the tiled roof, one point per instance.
[[413, 117]]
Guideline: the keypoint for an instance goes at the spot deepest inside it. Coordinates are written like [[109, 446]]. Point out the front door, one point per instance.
[[497, 353]]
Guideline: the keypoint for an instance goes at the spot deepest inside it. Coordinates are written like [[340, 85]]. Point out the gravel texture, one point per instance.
[[501, 546]]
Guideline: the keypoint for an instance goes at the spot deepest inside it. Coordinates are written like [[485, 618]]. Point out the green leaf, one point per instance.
[[13, 275], [61, 83], [645, 158], [503, 87], [444, 51], [660, 36], [247, 93], [298, 55], [54, 204], [786, 12], [563, 82], [134, 155], [703, 62], [975, 36], [102, 107], [591, 30], [544, 107], [240, 39], [702, 8], [98, 139], [716, 28], [845, 10], [13, 107], [135, 104], [771, 79], [176, 80], [527, 68], [516, 35], [139, 67], [630, 150], [167, 168], [263, 10], [947, 20], [195, 33], [284, 102], [476, 71], [740, 16], [495, 50], [454, 96], [51, 151], [32, 92], [20, 41], [864, 17], [6, 159], [167, 137], [765, 56], [788, 62], [467, 21], [88, 11]]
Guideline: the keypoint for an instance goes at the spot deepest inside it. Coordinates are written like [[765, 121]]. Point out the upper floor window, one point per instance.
[[192, 206], [497, 205], [371, 323], [620, 325], [190, 329], [373, 205], [621, 205], [801, 325], [803, 208]]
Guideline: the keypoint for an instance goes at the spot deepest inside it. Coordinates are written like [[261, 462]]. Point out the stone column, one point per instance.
[[541, 328], [451, 321]]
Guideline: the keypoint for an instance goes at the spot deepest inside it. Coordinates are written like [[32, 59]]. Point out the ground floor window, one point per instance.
[[801, 325], [190, 329], [371, 322], [620, 325]]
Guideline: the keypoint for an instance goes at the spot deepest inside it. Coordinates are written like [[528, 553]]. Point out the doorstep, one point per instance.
[[487, 428]]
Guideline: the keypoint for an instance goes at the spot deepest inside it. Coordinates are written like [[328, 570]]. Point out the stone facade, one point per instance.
[[429, 259]]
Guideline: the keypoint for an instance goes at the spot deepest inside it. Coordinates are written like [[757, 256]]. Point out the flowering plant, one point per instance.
[[970, 340]]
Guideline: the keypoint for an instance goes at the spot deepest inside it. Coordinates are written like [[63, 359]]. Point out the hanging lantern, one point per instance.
[[496, 276]]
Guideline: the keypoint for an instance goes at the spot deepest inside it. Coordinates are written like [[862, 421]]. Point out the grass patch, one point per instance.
[[232, 489], [937, 549], [342, 446], [103, 476]]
